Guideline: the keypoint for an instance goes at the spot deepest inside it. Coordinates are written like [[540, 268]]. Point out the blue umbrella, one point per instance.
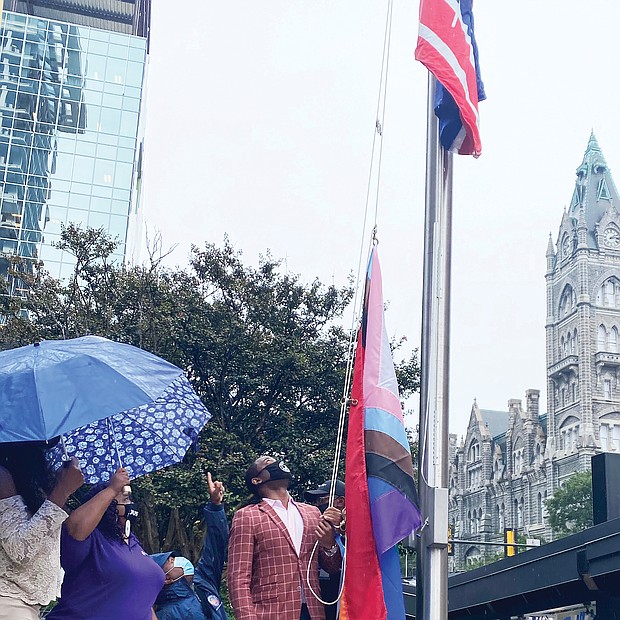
[[112, 403], [142, 439]]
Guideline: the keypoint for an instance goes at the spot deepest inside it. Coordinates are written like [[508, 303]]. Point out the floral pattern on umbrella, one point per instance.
[[143, 439]]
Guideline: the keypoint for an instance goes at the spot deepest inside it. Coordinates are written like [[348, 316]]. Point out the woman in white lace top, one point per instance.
[[31, 515]]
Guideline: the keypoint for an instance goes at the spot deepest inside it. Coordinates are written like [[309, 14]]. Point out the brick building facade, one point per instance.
[[510, 461]]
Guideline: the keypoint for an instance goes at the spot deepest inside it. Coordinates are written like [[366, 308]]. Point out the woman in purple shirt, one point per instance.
[[107, 573]]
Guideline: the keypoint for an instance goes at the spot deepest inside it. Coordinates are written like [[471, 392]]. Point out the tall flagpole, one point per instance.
[[432, 552]]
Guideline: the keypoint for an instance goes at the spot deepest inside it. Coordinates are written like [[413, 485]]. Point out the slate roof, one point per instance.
[[543, 422], [495, 421], [595, 190]]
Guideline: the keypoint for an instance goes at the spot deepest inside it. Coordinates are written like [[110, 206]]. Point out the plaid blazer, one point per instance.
[[265, 574]]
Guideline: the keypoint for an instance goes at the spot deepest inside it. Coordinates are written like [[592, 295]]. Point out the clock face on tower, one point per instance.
[[566, 246], [612, 237]]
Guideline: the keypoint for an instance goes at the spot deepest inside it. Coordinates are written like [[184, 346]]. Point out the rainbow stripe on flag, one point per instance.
[[381, 497]]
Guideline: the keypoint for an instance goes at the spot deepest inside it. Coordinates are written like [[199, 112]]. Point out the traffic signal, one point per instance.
[[509, 539]]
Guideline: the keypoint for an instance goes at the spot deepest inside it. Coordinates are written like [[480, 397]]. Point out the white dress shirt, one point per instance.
[[291, 517]]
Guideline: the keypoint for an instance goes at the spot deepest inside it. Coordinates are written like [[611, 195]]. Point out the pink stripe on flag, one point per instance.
[[380, 385]]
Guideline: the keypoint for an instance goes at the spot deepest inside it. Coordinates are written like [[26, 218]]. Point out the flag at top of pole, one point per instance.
[[447, 47]]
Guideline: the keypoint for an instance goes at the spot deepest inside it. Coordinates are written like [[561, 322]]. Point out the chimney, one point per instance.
[[514, 406], [531, 401]]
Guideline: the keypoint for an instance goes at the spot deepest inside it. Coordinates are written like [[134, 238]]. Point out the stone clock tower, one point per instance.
[[583, 323]]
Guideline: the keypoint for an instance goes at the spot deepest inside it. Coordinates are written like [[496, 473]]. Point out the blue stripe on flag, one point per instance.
[[389, 563], [378, 488], [384, 422]]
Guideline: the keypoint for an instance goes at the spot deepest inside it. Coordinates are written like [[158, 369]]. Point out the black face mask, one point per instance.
[[277, 471], [323, 507], [131, 516], [131, 512]]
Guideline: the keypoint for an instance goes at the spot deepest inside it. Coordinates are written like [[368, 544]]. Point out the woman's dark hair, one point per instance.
[[108, 525], [32, 473]]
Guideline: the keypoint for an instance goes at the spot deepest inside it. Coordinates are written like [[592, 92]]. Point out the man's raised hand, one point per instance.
[[216, 490]]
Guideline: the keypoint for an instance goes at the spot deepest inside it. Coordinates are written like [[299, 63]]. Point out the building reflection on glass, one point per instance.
[[70, 101]]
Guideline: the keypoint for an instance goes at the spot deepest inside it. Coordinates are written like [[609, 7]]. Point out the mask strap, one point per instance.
[[179, 577]]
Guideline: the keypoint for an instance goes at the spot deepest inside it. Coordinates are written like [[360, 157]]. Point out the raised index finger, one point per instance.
[[210, 481]]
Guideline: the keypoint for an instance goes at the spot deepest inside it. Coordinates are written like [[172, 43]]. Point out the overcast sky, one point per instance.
[[260, 124]]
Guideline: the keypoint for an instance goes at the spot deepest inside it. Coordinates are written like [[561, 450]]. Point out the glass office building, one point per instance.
[[70, 135]]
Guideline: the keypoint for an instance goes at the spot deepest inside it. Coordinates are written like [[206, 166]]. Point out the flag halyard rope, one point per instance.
[[378, 130]]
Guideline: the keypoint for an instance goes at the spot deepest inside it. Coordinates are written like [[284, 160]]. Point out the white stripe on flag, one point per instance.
[[438, 44], [456, 7], [458, 141]]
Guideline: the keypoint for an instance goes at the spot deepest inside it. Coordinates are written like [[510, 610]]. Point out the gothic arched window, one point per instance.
[[474, 451], [518, 457], [604, 436], [613, 340], [568, 300], [576, 340], [609, 293], [602, 338], [569, 435], [610, 435]]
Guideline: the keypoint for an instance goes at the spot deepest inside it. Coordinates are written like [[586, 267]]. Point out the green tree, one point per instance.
[[570, 509], [265, 351], [484, 560]]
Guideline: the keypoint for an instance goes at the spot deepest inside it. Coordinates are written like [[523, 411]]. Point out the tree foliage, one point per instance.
[[570, 509], [265, 351]]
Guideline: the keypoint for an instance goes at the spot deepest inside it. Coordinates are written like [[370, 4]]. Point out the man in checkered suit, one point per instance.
[[270, 547]]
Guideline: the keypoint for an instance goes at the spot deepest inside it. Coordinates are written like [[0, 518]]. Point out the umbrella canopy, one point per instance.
[[142, 439], [55, 386], [114, 404]]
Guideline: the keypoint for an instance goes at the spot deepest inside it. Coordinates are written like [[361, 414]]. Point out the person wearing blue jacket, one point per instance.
[[177, 599], [208, 572]]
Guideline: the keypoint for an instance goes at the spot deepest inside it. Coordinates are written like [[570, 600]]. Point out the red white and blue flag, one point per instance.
[[381, 497], [447, 47]]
